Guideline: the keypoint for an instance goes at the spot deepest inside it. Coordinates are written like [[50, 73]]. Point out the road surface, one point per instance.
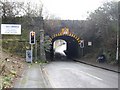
[[70, 74]]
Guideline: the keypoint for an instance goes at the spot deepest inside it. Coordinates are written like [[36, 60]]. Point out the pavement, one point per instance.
[[32, 77], [104, 65]]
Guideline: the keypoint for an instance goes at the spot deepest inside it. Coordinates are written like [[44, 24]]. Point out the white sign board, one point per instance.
[[82, 44], [14, 29], [89, 43]]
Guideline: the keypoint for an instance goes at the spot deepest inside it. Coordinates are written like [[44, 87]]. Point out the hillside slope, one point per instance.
[[11, 68]]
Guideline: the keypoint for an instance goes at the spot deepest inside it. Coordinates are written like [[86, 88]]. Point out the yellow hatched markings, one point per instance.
[[53, 35], [79, 41], [61, 34], [73, 35], [68, 34], [50, 39], [76, 37], [58, 34]]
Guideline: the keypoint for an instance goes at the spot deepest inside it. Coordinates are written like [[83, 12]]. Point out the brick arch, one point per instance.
[[72, 43], [65, 32]]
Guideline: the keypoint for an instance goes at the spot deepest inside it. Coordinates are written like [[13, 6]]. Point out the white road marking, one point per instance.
[[52, 84], [42, 74], [79, 72], [91, 75]]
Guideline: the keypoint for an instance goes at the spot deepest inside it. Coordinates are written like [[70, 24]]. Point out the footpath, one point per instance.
[[104, 65], [32, 77]]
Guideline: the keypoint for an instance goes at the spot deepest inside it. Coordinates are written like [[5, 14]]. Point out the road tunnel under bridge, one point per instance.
[[72, 44]]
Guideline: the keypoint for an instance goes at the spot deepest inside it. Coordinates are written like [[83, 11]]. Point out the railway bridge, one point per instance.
[[72, 43]]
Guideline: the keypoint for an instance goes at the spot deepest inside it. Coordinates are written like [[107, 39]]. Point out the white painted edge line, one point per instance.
[[52, 84], [88, 74], [42, 74], [94, 76]]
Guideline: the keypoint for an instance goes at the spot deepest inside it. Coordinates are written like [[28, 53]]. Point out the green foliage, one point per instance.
[[40, 61], [0, 41], [47, 43], [103, 27], [6, 79], [6, 82], [16, 47]]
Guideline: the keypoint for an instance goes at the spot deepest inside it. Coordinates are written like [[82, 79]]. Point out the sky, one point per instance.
[[69, 9]]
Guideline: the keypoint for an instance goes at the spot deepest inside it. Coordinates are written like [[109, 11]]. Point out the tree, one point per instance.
[[10, 9], [31, 10], [101, 27]]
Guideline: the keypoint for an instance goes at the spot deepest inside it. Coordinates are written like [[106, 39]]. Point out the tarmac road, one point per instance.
[[70, 74]]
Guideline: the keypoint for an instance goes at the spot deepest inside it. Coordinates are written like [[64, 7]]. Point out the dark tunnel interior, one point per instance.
[[72, 50]]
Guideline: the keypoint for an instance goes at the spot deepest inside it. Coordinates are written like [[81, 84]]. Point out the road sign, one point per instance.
[[11, 29], [89, 43], [32, 37], [28, 56], [65, 30], [82, 43]]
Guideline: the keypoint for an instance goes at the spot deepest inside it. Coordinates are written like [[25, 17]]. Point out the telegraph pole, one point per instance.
[[36, 50], [118, 28], [117, 45]]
